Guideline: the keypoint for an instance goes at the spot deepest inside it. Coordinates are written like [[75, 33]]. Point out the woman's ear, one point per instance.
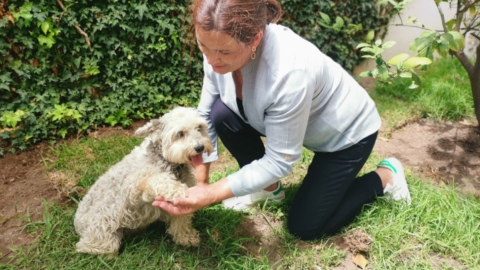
[[256, 40]]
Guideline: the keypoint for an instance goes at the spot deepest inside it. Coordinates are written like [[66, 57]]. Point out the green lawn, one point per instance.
[[440, 230]]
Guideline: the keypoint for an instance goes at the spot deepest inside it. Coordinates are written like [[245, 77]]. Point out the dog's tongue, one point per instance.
[[197, 160]]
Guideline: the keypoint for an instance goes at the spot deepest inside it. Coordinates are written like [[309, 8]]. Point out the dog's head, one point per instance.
[[180, 136]]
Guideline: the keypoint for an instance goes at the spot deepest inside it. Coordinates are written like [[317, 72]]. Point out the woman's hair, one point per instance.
[[240, 19]]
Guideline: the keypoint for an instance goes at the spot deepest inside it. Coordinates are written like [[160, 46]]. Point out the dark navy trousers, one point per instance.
[[329, 197]]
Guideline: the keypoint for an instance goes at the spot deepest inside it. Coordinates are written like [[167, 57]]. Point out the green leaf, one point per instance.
[[458, 38], [370, 36], [450, 24], [416, 79], [421, 43], [76, 61], [398, 59], [46, 25], [46, 41], [366, 74], [406, 75], [388, 44], [452, 43], [16, 64], [338, 23], [378, 42], [383, 72], [361, 45], [472, 9], [413, 86], [443, 47], [325, 18], [141, 9], [62, 132], [415, 62]]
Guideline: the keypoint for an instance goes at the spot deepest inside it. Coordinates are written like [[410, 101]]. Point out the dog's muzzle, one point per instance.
[[199, 148]]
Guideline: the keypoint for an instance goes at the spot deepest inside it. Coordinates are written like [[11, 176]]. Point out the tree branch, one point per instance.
[[79, 30], [476, 67], [442, 16], [459, 18], [462, 57], [476, 36], [468, 5], [414, 26]]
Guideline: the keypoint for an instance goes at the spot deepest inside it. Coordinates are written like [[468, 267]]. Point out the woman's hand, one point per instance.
[[197, 198]]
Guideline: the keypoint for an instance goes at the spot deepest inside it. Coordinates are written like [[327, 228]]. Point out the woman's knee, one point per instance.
[[300, 230]]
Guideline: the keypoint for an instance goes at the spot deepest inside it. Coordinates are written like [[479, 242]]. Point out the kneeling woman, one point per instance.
[[262, 79]]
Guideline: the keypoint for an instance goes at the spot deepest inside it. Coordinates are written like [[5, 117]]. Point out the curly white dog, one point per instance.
[[121, 199]]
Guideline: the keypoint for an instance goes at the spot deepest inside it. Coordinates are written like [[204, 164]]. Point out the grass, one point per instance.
[[440, 230], [441, 223], [445, 95]]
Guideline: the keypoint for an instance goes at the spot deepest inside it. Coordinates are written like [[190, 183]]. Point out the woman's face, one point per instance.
[[223, 52]]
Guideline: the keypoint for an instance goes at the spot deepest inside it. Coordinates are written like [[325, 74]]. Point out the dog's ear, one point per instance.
[[149, 128]]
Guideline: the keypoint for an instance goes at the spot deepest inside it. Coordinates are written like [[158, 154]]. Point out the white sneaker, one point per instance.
[[247, 201], [399, 190]]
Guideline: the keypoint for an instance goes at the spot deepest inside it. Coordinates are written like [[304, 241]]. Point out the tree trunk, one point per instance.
[[474, 76]]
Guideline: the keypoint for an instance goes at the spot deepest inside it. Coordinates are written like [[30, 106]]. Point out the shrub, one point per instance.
[[70, 66]]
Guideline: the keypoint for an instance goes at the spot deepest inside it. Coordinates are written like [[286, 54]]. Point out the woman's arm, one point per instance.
[[202, 174]]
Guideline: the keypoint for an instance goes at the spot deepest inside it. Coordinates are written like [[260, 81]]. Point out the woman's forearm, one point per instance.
[[202, 174], [219, 190]]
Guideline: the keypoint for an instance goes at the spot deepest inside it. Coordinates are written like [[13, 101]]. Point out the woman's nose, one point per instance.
[[211, 58]]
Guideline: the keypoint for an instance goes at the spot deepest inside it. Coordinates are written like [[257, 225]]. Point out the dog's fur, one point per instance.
[[121, 199]]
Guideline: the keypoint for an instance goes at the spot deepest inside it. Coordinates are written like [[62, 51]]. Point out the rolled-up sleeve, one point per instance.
[[286, 121], [208, 97]]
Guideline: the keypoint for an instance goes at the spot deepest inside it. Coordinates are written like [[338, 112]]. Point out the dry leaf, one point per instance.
[[359, 260], [383, 139], [465, 123], [35, 62], [10, 18], [55, 71]]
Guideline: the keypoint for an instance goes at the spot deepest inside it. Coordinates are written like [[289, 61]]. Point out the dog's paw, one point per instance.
[[174, 193], [190, 239]]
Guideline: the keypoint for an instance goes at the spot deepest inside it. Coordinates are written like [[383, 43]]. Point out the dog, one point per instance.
[[120, 201]]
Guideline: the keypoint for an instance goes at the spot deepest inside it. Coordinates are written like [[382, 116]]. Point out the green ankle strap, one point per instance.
[[279, 189], [386, 163]]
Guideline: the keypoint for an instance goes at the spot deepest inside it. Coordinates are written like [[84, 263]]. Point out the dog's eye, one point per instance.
[[180, 134], [199, 128]]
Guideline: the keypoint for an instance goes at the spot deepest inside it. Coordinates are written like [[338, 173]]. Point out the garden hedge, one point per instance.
[[70, 66]]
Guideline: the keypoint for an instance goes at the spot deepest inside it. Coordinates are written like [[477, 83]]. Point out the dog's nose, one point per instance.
[[199, 148]]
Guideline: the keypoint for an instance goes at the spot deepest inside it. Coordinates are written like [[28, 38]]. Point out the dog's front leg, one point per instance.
[[180, 227], [148, 186]]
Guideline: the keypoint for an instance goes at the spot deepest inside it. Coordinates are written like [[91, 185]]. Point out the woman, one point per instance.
[[261, 79]]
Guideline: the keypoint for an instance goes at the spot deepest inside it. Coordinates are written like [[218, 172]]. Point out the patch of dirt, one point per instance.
[[445, 263], [261, 228], [106, 131], [23, 186], [444, 152], [358, 241]]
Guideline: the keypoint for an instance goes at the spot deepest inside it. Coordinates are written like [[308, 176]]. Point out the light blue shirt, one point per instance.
[[295, 95]]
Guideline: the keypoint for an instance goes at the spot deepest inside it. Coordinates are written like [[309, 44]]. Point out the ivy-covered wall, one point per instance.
[[69, 66]]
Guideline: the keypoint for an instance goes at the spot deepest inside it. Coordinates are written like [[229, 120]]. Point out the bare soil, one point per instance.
[[445, 152], [448, 152]]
